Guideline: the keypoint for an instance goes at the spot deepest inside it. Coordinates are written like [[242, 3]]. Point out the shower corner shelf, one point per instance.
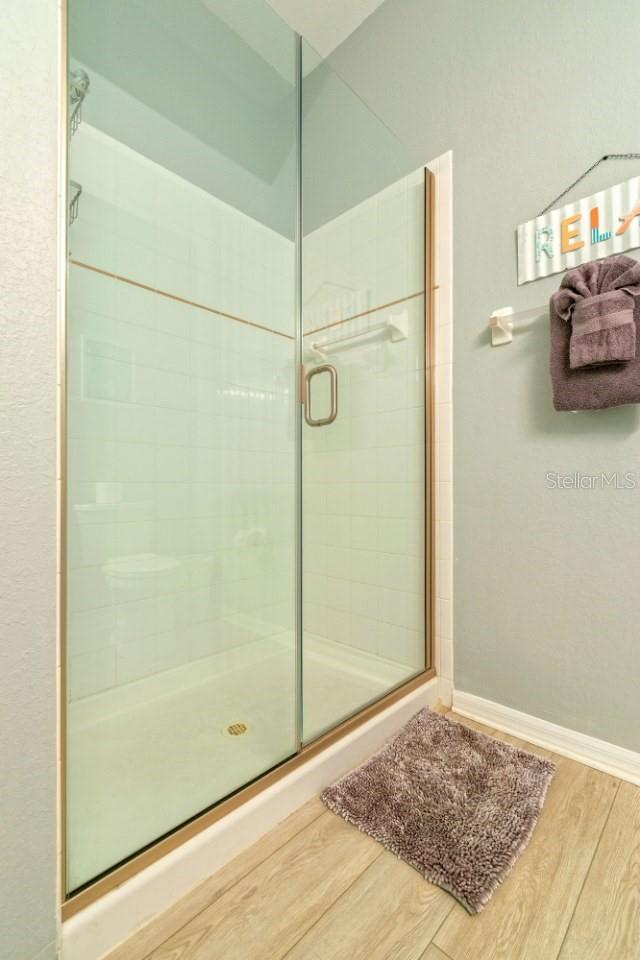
[[78, 88], [75, 191]]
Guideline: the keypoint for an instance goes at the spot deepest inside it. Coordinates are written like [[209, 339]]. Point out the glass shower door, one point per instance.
[[364, 439], [182, 415], [202, 607]]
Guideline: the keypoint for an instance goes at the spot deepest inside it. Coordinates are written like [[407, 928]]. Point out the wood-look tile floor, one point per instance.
[[316, 888]]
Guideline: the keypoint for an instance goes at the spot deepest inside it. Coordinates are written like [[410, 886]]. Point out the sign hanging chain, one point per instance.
[[607, 156]]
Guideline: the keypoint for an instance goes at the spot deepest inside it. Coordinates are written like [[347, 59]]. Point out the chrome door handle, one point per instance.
[[333, 373]]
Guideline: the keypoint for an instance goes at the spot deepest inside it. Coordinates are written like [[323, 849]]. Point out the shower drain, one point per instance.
[[236, 729]]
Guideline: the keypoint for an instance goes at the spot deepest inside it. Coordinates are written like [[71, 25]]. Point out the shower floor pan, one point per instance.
[[148, 756]]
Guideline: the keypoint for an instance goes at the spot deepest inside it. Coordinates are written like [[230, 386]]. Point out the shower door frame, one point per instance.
[[93, 890]]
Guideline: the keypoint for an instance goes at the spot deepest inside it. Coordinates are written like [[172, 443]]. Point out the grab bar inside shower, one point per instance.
[[396, 326]]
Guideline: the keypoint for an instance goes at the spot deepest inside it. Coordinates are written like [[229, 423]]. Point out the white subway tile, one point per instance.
[[364, 633], [91, 672]]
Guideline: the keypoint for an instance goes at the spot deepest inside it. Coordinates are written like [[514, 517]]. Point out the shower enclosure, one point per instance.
[[246, 475]]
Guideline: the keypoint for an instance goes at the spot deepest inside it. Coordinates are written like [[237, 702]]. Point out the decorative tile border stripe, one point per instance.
[[231, 316], [365, 313], [178, 299]]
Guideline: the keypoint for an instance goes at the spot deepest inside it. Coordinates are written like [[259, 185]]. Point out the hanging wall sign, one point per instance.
[[589, 229]]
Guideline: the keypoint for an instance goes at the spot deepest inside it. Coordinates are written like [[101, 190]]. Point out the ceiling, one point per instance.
[[324, 23]]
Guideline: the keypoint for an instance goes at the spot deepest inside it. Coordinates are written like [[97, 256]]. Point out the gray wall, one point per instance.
[[527, 96], [28, 85], [348, 155]]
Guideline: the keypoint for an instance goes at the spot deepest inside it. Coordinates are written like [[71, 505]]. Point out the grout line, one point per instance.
[[444, 920], [446, 955], [365, 313], [331, 905], [225, 890], [391, 956], [432, 943], [178, 299], [588, 870]]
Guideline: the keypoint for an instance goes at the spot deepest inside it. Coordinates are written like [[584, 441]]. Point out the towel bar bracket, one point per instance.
[[501, 326]]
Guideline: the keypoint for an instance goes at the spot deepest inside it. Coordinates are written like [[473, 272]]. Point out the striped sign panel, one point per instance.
[[588, 229]]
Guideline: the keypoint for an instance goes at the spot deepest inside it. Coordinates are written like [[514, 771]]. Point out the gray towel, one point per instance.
[[602, 383], [598, 299], [602, 330]]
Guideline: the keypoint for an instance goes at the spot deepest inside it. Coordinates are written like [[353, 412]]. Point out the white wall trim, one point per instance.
[[617, 761], [442, 169], [101, 926]]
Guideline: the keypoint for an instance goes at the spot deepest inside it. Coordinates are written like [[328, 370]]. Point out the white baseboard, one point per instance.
[[101, 926], [617, 761]]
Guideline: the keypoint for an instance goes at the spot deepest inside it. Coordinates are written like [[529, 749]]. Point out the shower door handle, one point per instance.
[[333, 373]]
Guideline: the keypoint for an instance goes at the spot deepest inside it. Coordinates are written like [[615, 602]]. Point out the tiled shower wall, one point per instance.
[[364, 503], [181, 438]]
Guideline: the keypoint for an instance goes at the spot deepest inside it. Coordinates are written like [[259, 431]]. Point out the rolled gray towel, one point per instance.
[[602, 330], [597, 299], [598, 384]]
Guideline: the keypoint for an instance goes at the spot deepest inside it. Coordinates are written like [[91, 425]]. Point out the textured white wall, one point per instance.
[[28, 81]]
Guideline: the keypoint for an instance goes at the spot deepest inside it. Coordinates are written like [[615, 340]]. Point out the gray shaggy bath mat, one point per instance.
[[458, 806]]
